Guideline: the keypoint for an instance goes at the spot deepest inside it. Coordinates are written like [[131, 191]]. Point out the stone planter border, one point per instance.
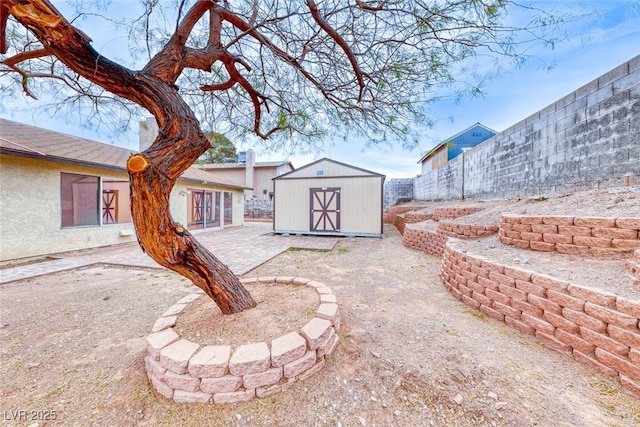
[[187, 372]]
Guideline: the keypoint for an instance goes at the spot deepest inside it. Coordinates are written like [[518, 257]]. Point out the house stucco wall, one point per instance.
[[31, 213], [30, 209], [588, 138]]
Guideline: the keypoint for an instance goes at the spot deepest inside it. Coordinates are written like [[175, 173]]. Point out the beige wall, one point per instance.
[[262, 178], [31, 215], [438, 159], [30, 210], [360, 200]]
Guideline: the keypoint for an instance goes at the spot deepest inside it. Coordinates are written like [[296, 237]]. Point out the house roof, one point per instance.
[[324, 159], [23, 140], [443, 143], [243, 165]]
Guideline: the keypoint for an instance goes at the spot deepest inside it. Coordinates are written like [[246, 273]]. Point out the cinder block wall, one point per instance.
[[397, 189], [590, 137]]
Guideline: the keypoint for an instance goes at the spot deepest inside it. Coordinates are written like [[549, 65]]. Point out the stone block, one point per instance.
[[316, 332], [629, 307], [261, 379], [157, 341], [250, 359], [595, 296], [210, 362], [175, 357], [174, 309], [287, 348], [327, 311], [611, 316], [275, 388], [327, 348], [154, 367], [329, 298], [314, 369], [161, 387], [164, 323], [315, 284], [181, 382], [296, 367], [225, 384], [323, 290]]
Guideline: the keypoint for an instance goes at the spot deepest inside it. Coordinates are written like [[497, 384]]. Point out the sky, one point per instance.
[[597, 43]]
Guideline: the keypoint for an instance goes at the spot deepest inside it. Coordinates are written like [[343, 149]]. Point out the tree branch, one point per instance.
[[168, 64], [4, 17], [23, 56], [340, 41]]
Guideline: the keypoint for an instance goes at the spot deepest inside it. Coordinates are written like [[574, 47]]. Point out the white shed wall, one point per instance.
[[360, 211]]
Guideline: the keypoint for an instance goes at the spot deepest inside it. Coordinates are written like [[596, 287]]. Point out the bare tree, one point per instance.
[[282, 70]]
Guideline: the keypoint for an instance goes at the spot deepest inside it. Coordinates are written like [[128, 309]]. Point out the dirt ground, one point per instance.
[[410, 355]]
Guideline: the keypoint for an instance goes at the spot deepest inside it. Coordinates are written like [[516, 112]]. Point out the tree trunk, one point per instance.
[[152, 175], [171, 246], [154, 172]]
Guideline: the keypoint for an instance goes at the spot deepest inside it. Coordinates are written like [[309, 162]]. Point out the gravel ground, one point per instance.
[[410, 355]]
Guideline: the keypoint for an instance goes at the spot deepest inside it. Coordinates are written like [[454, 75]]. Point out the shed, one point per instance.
[[327, 197]]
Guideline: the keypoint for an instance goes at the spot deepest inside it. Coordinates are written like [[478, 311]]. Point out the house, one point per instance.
[[60, 193], [257, 175], [327, 197], [453, 146]]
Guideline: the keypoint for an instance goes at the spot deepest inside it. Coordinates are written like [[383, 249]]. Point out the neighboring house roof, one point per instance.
[[23, 140], [324, 159], [443, 143], [243, 165]]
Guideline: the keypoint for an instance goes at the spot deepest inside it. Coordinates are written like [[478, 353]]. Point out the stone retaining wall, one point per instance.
[[466, 231], [400, 223], [595, 327], [633, 266], [190, 373], [417, 216], [453, 213], [390, 216], [571, 235], [423, 240]]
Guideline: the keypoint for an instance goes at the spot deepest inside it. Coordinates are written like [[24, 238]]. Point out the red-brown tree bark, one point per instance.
[[153, 172]]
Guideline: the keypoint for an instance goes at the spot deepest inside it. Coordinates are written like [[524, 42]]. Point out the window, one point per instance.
[[319, 173], [85, 200], [228, 208], [79, 199]]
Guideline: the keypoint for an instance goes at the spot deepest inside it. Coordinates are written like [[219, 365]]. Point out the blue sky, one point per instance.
[[597, 44]]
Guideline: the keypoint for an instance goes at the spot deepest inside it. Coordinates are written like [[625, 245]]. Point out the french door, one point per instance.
[[203, 209]]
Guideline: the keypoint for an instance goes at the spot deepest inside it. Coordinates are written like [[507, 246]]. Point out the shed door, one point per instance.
[[325, 209]]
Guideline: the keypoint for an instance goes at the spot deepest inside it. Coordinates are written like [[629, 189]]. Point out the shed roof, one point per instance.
[[443, 143], [353, 170], [23, 140]]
